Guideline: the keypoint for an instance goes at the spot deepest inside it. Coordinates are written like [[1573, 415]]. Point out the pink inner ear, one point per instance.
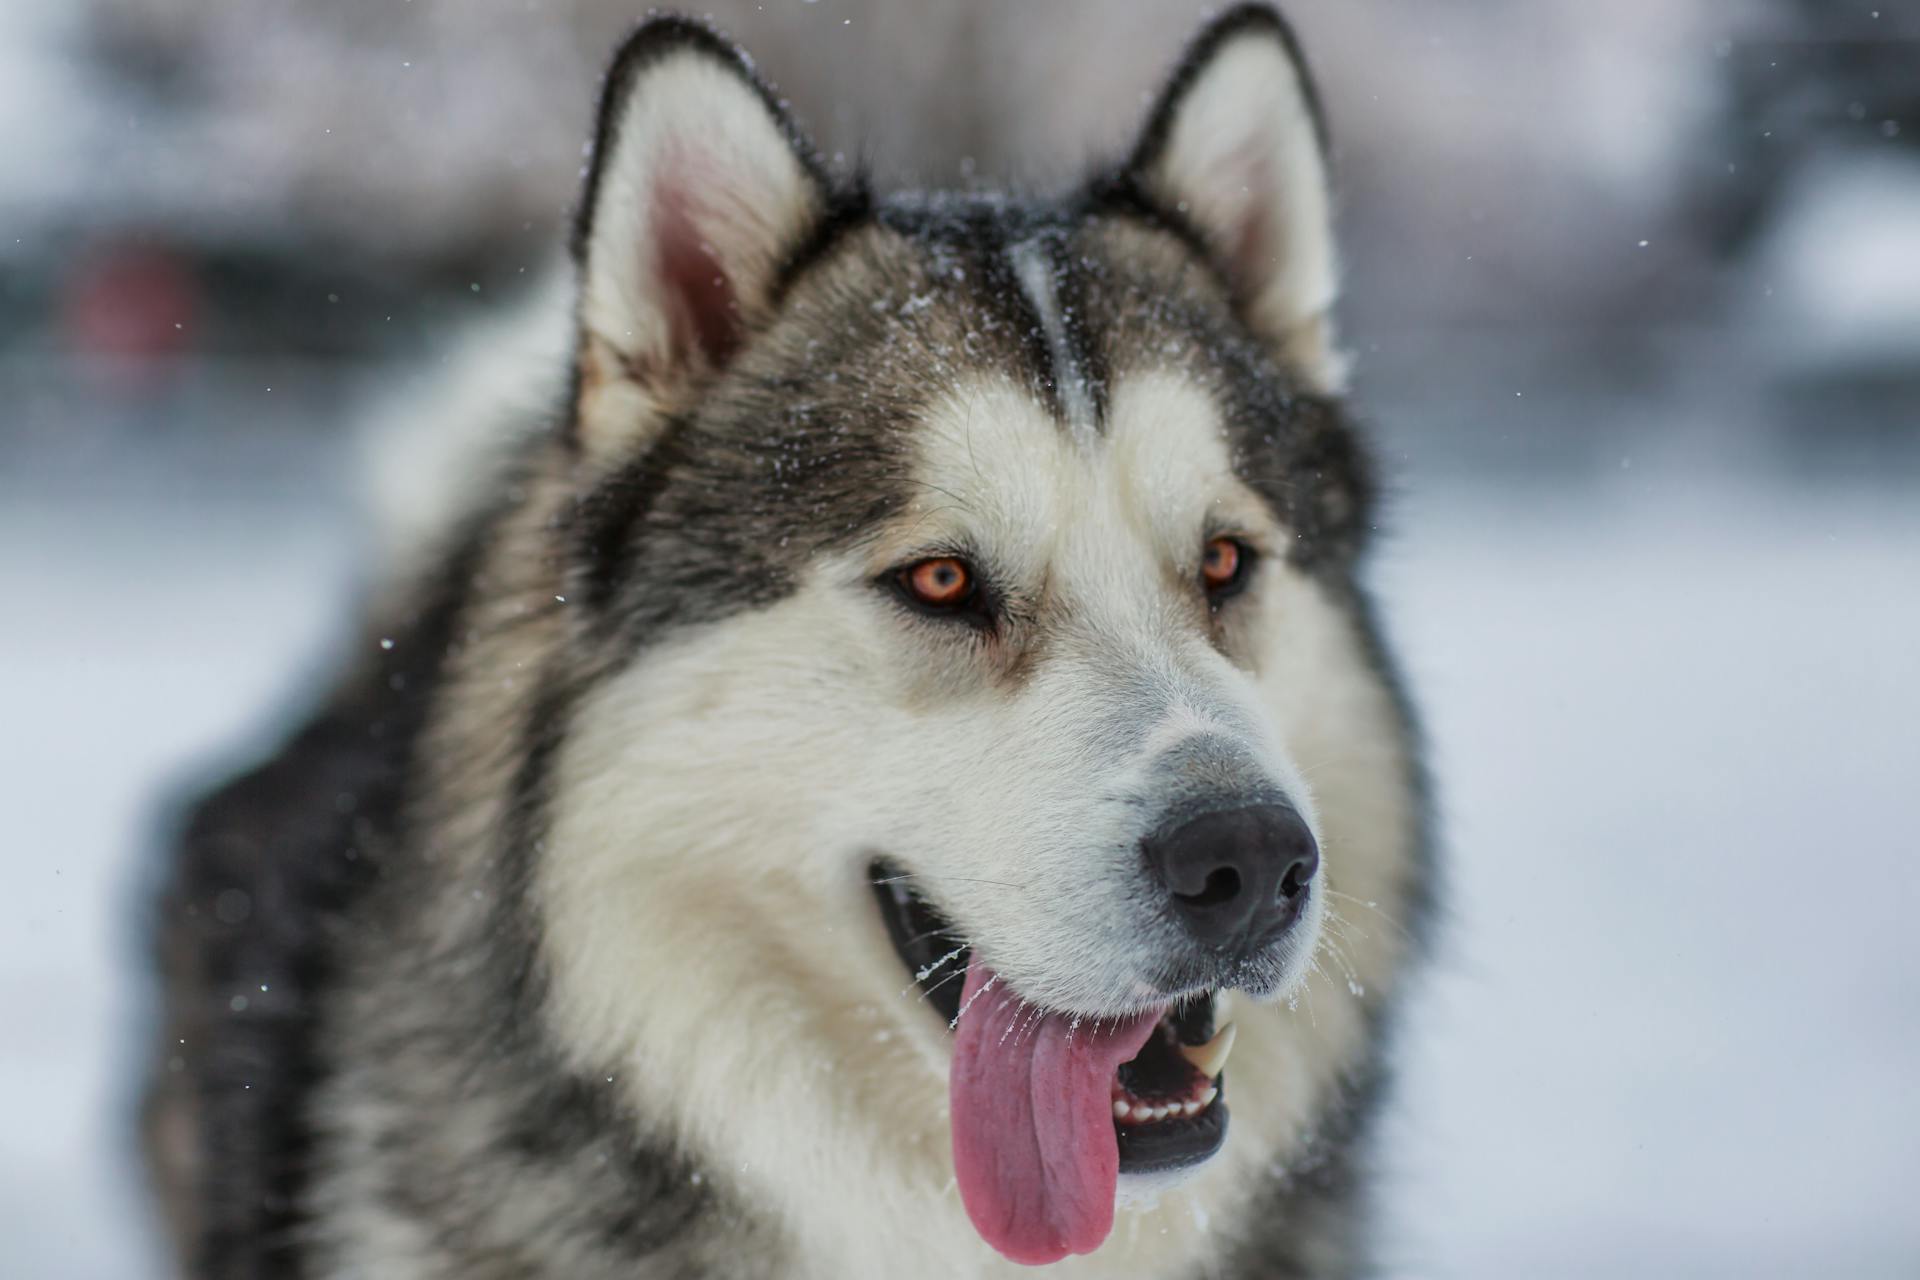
[[698, 297], [1250, 255]]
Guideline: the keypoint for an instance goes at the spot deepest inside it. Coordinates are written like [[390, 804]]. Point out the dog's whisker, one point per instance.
[[1343, 928], [1338, 955], [923, 974], [1341, 931], [1028, 1016], [926, 991], [1372, 906], [1033, 1024], [984, 988], [922, 875], [1306, 989], [930, 933]]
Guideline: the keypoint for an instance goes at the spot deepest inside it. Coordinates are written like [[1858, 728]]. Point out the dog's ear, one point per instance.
[[1236, 150], [698, 191]]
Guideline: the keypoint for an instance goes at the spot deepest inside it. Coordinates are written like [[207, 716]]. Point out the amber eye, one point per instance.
[[940, 583], [1223, 565]]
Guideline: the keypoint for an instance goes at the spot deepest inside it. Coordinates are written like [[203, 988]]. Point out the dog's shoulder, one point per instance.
[[260, 870]]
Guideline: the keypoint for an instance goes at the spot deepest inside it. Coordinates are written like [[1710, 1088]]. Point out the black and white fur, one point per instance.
[[546, 948]]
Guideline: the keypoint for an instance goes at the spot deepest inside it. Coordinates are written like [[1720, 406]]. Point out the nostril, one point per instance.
[[1294, 883], [1223, 885]]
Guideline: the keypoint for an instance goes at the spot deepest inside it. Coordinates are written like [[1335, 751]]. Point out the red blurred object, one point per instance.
[[132, 307]]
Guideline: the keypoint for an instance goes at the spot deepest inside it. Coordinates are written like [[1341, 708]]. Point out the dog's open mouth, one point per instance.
[[1047, 1107]]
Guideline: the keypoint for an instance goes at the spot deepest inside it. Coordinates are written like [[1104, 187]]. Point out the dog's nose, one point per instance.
[[1238, 876]]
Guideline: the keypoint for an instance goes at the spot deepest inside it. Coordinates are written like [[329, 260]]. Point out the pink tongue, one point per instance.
[[1033, 1144]]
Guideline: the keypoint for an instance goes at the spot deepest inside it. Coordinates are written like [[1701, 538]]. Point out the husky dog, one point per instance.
[[833, 804]]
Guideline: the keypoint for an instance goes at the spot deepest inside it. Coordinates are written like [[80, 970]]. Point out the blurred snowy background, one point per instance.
[[1636, 293]]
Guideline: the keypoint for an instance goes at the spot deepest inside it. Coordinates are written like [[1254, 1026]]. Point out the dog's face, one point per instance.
[[973, 577], [1069, 622]]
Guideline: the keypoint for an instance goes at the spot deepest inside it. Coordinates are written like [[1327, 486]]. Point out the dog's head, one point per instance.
[[973, 578]]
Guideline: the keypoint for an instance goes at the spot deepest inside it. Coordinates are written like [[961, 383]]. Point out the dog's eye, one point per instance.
[[940, 583], [1224, 565]]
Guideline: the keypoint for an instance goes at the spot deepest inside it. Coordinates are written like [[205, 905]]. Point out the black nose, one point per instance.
[[1238, 876]]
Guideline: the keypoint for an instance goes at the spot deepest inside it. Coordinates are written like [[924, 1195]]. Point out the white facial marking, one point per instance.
[[1033, 268]]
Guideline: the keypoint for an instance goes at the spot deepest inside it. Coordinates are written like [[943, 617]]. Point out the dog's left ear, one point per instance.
[[1236, 150], [700, 189]]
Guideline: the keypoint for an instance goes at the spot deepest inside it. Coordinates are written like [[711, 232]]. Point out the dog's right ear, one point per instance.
[[699, 190], [1236, 150]]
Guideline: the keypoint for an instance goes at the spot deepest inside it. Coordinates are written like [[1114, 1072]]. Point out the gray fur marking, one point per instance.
[[1034, 267]]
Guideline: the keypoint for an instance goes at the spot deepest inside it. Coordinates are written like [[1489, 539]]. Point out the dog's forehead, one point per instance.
[[1073, 386], [999, 464], [1061, 299]]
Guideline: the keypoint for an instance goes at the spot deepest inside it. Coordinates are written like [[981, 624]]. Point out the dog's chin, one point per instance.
[[1169, 1099], [1140, 1190]]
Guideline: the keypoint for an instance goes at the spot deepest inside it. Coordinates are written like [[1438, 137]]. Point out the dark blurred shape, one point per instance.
[[1832, 78]]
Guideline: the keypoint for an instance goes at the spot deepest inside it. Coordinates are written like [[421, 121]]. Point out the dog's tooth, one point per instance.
[[1191, 1108], [1206, 1099], [1121, 1110], [1210, 1057]]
